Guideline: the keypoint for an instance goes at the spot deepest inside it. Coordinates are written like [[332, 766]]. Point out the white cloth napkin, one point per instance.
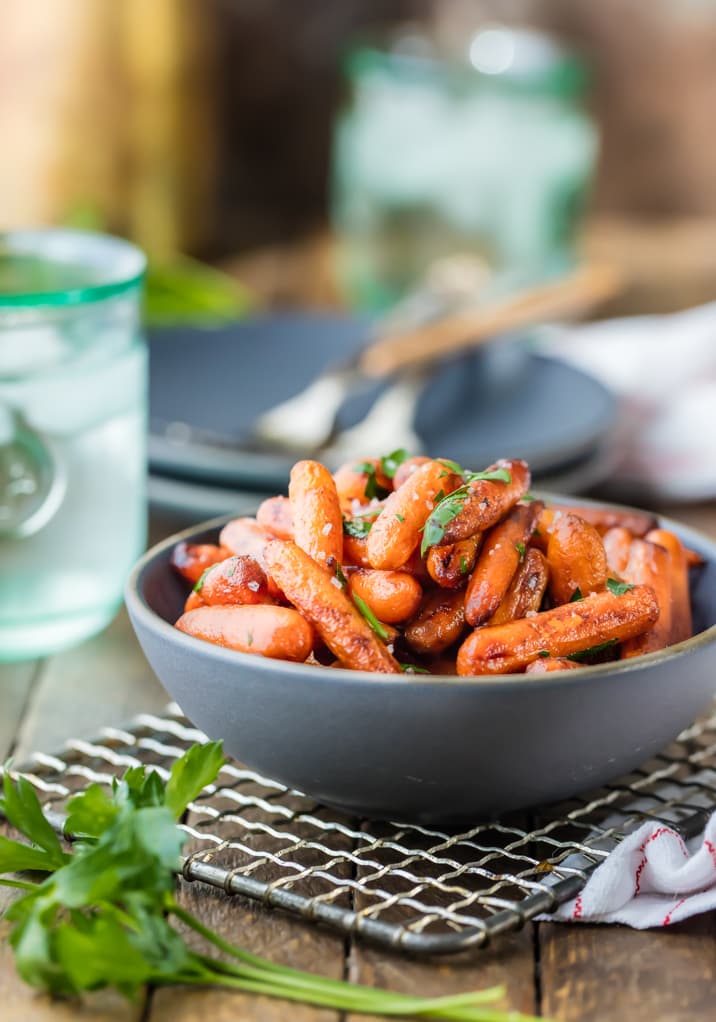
[[653, 878], [664, 370]]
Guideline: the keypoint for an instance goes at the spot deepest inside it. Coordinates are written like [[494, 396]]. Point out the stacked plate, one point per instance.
[[208, 387]]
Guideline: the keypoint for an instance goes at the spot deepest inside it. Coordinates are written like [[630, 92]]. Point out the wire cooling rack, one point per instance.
[[418, 888]]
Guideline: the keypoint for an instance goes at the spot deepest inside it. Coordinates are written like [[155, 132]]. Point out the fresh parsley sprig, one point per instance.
[[451, 505], [104, 914]]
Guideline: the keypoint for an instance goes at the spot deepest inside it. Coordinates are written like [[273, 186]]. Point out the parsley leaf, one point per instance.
[[370, 617], [341, 577], [401, 518], [451, 506], [453, 466], [576, 596], [390, 463], [413, 669], [190, 775], [463, 565], [372, 486], [617, 587], [202, 578], [520, 548], [544, 653], [357, 527], [585, 654]]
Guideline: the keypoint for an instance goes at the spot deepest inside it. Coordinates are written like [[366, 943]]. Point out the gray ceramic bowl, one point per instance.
[[438, 749]]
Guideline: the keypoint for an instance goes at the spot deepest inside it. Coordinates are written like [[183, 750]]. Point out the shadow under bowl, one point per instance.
[[436, 749]]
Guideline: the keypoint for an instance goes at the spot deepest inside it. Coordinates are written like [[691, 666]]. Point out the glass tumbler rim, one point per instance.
[[113, 265]]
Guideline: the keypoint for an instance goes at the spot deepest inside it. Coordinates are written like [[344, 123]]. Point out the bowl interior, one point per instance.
[[164, 592]]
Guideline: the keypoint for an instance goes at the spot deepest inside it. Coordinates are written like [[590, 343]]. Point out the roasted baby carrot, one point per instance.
[[650, 564], [358, 482], [576, 557], [355, 550], [245, 536], [396, 531], [192, 559], [408, 467], [526, 589], [681, 623], [449, 566], [487, 501], [617, 546], [502, 551], [637, 522], [439, 623], [321, 599], [237, 580], [274, 514], [593, 623], [316, 513], [545, 665], [279, 632], [393, 596]]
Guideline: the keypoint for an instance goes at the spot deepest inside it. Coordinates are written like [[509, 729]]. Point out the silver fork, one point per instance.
[[307, 420]]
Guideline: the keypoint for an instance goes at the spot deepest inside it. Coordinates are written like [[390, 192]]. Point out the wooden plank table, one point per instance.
[[571, 973]]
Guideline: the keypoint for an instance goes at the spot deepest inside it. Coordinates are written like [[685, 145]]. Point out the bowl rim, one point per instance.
[[140, 609]]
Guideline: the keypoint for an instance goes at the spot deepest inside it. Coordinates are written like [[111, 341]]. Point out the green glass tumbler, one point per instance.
[[73, 398]]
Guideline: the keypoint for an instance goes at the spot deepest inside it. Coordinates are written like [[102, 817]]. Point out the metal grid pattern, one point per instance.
[[418, 888]]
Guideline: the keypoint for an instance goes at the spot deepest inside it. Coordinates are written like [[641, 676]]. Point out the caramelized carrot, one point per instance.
[[439, 623], [396, 531], [193, 601], [274, 514], [526, 590], [617, 546], [278, 632], [545, 665], [408, 467], [488, 501], [650, 564], [237, 580], [316, 513], [681, 624], [603, 618], [192, 559], [393, 596], [502, 551], [576, 557], [321, 599], [449, 566], [603, 518], [361, 481], [245, 536]]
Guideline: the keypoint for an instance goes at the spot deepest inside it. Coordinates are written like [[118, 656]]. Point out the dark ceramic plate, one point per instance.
[[437, 749], [208, 387]]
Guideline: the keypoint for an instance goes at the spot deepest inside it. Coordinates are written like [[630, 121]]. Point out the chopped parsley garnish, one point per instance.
[[370, 617], [231, 570], [528, 497], [585, 654], [520, 548], [576, 596], [401, 518], [390, 463], [357, 527], [341, 577], [451, 506], [202, 578], [249, 638], [618, 588], [463, 565], [544, 653], [413, 669], [453, 466], [372, 486]]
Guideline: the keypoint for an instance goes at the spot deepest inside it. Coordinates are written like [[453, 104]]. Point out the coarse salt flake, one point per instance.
[[327, 528], [253, 586], [336, 583]]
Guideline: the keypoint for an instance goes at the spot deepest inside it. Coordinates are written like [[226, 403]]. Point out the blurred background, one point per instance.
[[305, 177], [207, 127]]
